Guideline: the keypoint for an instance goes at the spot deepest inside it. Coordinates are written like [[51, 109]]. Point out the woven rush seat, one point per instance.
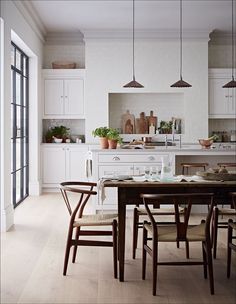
[[232, 225], [159, 211], [96, 220], [169, 234], [226, 211]]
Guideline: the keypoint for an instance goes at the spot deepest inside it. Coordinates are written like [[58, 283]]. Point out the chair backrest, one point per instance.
[[84, 191], [177, 200]]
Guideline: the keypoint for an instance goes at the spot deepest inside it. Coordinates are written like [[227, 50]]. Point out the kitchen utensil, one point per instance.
[[147, 139], [141, 124], [128, 123], [152, 120]]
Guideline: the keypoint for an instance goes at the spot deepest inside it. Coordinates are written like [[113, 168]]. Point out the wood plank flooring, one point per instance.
[[32, 256]]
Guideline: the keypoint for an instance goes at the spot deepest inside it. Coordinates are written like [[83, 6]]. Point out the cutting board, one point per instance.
[[128, 123], [141, 124], [152, 120]]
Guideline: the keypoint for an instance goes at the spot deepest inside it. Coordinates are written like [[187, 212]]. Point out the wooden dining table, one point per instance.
[[129, 194]]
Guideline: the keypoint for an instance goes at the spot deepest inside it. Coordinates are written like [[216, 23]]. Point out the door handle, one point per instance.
[[116, 158]]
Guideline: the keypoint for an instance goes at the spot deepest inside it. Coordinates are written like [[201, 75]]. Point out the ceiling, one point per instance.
[[82, 15]]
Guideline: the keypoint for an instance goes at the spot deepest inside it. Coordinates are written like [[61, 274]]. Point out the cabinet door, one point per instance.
[[74, 96], [54, 165], [53, 97], [75, 163], [221, 100], [109, 170]]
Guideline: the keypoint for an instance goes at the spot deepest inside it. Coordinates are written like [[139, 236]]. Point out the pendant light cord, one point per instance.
[[181, 39], [232, 39], [133, 41]]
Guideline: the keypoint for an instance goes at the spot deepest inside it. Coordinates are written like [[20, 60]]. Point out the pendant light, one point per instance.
[[181, 83], [232, 83], [133, 83]]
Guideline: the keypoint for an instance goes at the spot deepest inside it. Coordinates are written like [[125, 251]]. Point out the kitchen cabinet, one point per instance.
[[222, 101], [63, 162], [63, 94], [115, 164]]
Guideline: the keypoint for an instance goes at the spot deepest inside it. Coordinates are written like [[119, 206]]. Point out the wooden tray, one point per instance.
[[217, 176]]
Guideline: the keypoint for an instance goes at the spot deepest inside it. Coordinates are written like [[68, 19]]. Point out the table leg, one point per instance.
[[121, 223]]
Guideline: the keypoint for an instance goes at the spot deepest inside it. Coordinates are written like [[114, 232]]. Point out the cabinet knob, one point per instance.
[[151, 158], [116, 158]]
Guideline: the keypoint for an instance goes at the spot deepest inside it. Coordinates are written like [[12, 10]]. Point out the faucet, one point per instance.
[[166, 141]]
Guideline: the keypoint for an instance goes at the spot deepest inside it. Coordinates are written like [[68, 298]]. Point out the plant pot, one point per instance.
[[104, 143], [112, 143]]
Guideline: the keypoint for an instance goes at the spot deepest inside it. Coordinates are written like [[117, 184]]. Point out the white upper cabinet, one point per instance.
[[63, 95], [222, 101]]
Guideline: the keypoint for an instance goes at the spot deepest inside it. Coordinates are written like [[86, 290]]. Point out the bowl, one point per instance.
[[57, 140], [205, 143]]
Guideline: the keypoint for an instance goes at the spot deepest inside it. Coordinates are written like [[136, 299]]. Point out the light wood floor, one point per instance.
[[32, 256]]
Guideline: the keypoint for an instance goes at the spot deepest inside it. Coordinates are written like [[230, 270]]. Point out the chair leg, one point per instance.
[[187, 249], [144, 254], [229, 251], [204, 261], [154, 267], [75, 247], [114, 234], [135, 231], [67, 253], [210, 265], [215, 231]]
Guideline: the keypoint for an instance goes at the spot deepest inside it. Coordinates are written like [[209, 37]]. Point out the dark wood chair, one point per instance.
[[157, 211], [187, 166], [230, 244], [218, 220], [182, 231], [79, 221]]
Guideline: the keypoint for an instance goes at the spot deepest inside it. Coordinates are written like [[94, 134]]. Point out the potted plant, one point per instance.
[[60, 133], [49, 136], [113, 138], [165, 127], [101, 132]]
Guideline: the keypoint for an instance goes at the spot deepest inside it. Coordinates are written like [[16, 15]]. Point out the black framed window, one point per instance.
[[19, 125]]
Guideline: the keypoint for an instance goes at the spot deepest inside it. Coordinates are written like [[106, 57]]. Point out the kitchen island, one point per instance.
[[133, 162]]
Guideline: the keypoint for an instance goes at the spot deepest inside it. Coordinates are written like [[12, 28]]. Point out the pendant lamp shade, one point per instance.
[[181, 83], [133, 83], [232, 83]]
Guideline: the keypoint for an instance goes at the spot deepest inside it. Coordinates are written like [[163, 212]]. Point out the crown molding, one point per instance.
[[32, 18], [146, 34], [64, 38]]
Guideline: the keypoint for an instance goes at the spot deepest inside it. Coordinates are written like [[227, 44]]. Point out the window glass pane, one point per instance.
[[18, 60], [25, 127], [24, 66], [18, 185], [12, 155], [12, 86], [12, 55], [18, 153], [12, 116], [18, 121], [24, 101], [25, 182], [18, 89], [25, 146]]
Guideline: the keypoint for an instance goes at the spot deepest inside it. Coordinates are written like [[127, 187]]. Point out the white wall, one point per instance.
[[108, 68], [220, 56], [17, 28]]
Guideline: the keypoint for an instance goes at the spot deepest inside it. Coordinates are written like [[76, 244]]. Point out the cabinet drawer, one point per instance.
[[130, 158]]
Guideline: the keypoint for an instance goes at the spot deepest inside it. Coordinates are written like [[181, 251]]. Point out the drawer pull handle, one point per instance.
[[116, 158], [151, 158]]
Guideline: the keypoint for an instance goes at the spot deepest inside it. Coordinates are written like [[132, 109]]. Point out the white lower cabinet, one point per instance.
[[109, 165], [63, 164]]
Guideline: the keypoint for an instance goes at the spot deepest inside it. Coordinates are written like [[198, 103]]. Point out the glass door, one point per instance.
[[19, 125]]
